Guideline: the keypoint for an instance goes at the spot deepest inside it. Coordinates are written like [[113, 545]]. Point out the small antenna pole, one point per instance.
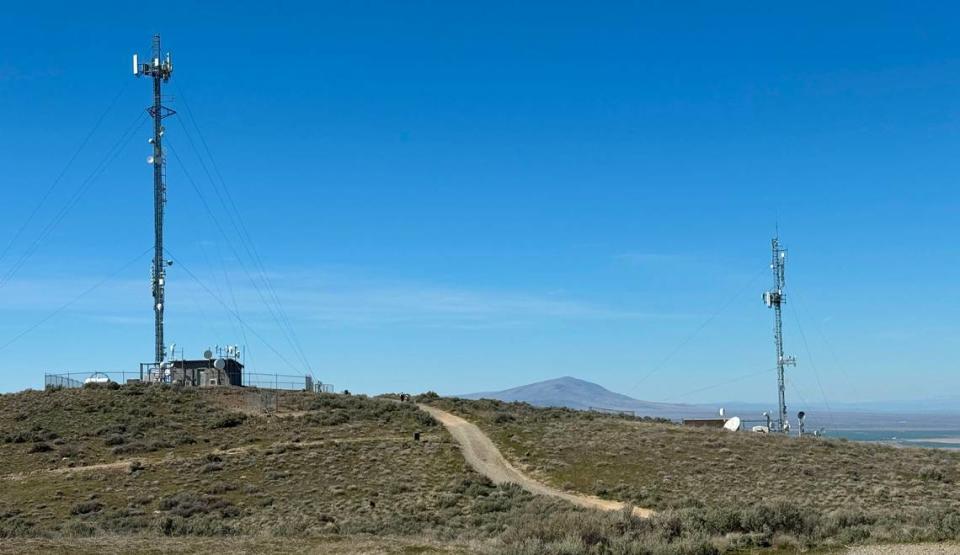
[[160, 68], [774, 299]]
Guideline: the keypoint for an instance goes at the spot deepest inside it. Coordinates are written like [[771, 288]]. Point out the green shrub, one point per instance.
[[78, 528], [68, 451], [187, 504], [212, 467], [86, 507], [201, 526], [16, 527], [219, 487], [932, 474], [503, 418], [114, 439], [229, 421], [141, 447]]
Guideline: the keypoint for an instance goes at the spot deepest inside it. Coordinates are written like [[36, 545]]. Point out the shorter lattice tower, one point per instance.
[[774, 299]]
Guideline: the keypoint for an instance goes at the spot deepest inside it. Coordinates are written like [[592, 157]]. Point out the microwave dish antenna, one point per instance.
[[733, 425]]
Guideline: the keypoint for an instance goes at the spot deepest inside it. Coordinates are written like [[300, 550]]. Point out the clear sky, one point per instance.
[[471, 196]]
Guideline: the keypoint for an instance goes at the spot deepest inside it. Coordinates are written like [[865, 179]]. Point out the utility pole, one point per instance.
[[774, 299], [160, 69]]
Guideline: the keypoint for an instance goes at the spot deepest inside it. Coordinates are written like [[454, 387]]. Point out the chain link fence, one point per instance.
[[265, 381]]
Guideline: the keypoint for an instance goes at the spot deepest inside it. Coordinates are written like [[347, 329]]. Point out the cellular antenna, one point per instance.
[[160, 68], [774, 299]]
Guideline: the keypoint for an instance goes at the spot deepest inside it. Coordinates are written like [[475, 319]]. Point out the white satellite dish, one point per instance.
[[733, 424], [219, 364], [208, 354], [97, 378], [721, 411]]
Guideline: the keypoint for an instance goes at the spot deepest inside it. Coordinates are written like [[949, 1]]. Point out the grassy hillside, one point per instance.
[[158, 460], [156, 469], [835, 491]]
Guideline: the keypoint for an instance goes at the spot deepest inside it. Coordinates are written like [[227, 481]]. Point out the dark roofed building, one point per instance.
[[202, 373]]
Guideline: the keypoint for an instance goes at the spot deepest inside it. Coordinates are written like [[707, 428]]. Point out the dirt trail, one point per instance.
[[907, 549], [486, 459], [123, 465]]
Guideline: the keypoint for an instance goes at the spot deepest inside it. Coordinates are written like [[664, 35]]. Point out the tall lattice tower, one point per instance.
[[774, 299], [160, 68]]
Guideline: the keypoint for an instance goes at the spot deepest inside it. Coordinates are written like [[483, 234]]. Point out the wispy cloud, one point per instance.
[[350, 297], [318, 296], [427, 304]]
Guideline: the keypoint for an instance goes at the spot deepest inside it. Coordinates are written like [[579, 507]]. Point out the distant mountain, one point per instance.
[[583, 395]]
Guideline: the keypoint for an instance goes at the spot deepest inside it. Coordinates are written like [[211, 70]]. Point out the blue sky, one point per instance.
[[470, 197]]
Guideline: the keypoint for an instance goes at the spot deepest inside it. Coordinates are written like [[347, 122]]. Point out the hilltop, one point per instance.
[[580, 394], [158, 469], [119, 464]]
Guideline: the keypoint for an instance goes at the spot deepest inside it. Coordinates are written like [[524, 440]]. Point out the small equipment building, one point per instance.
[[205, 372], [704, 422]]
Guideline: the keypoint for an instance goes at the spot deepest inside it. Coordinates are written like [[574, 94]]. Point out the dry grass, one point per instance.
[[176, 466], [859, 491], [348, 464], [151, 469], [121, 545]]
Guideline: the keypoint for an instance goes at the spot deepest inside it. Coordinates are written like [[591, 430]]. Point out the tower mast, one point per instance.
[[160, 69], [774, 298]]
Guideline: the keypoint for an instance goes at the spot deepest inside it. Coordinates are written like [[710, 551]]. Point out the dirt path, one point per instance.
[[486, 459], [123, 465], [907, 549]]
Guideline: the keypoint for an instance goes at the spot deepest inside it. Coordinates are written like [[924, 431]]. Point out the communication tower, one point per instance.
[[774, 299], [160, 68]]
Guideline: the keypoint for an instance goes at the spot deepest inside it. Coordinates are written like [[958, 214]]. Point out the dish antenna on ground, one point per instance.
[[733, 424]]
